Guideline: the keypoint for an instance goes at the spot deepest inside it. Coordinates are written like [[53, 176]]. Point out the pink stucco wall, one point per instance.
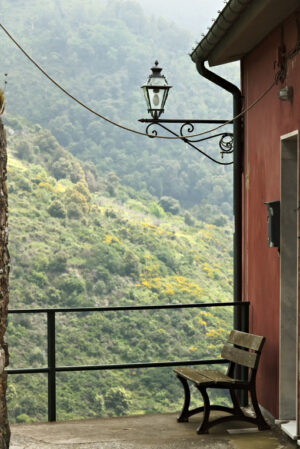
[[264, 124]]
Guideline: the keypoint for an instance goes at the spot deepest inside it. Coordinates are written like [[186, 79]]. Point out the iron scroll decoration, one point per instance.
[[226, 146], [151, 133], [188, 127]]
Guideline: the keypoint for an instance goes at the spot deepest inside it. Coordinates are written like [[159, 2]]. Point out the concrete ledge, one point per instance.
[[142, 432], [290, 428]]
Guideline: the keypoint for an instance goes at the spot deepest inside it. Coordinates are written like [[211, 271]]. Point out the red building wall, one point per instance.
[[264, 124]]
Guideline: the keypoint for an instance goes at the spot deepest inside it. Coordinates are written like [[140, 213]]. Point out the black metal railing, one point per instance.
[[52, 369]]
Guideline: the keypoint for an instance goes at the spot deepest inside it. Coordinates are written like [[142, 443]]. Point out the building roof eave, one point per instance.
[[240, 26]]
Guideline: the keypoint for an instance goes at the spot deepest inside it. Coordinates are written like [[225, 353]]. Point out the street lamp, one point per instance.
[[156, 93]]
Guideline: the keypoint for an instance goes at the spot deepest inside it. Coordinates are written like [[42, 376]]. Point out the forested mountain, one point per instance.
[[103, 54], [78, 239], [100, 216]]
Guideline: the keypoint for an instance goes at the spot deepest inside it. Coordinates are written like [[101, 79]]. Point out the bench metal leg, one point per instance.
[[260, 420], [236, 412], [203, 428], [236, 403], [184, 415]]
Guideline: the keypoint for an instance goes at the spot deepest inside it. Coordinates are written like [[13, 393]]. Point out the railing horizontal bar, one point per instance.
[[118, 366], [139, 365], [124, 308], [51, 370], [27, 370]]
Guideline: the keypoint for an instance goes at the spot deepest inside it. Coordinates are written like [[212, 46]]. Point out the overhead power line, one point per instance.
[[135, 131]]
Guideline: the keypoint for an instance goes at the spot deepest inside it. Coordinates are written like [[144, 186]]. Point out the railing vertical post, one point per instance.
[[244, 370], [51, 366], [245, 317]]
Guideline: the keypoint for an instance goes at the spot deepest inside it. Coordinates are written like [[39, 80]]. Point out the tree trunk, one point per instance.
[[4, 275]]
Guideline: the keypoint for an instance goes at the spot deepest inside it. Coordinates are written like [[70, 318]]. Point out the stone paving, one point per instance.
[[142, 432]]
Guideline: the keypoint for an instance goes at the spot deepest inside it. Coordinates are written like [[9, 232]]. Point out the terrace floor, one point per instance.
[[143, 432]]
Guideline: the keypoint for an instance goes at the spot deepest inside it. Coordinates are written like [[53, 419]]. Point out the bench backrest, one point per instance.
[[235, 351]]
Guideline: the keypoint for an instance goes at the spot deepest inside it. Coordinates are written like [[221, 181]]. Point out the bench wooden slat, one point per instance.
[[239, 356], [204, 376], [193, 375], [246, 340], [217, 376]]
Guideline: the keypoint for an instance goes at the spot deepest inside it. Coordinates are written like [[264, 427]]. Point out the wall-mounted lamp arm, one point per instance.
[[187, 127]]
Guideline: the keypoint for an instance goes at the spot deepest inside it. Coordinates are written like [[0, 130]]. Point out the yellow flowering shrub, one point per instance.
[[46, 186], [111, 239], [193, 348], [202, 322]]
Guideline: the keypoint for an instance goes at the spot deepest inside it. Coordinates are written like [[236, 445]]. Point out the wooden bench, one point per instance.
[[236, 352]]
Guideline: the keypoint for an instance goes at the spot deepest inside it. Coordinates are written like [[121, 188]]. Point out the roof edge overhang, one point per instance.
[[240, 26]]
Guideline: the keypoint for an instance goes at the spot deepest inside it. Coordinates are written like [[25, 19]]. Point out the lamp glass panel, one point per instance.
[[166, 92], [145, 89], [156, 97]]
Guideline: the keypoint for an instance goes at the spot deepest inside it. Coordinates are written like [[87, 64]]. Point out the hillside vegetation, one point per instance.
[[100, 216], [79, 239]]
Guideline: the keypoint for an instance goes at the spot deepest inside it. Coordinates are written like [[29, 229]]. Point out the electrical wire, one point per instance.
[[59, 86]]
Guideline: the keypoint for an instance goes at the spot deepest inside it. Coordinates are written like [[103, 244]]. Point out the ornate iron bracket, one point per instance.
[[188, 127]]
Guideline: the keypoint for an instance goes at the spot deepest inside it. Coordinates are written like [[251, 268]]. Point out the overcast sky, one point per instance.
[[192, 15]]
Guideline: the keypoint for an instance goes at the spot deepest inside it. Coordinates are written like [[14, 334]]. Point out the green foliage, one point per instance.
[[220, 220], [100, 404], [103, 274], [112, 182], [131, 264], [23, 418], [189, 220], [74, 210], [58, 263], [167, 256], [80, 196], [100, 288], [110, 213], [54, 296], [57, 209], [70, 284], [47, 142], [169, 205], [25, 184], [109, 257], [24, 150], [74, 196], [117, 399], [83, 189], [156, 210], [67, 168], [38, 278]]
